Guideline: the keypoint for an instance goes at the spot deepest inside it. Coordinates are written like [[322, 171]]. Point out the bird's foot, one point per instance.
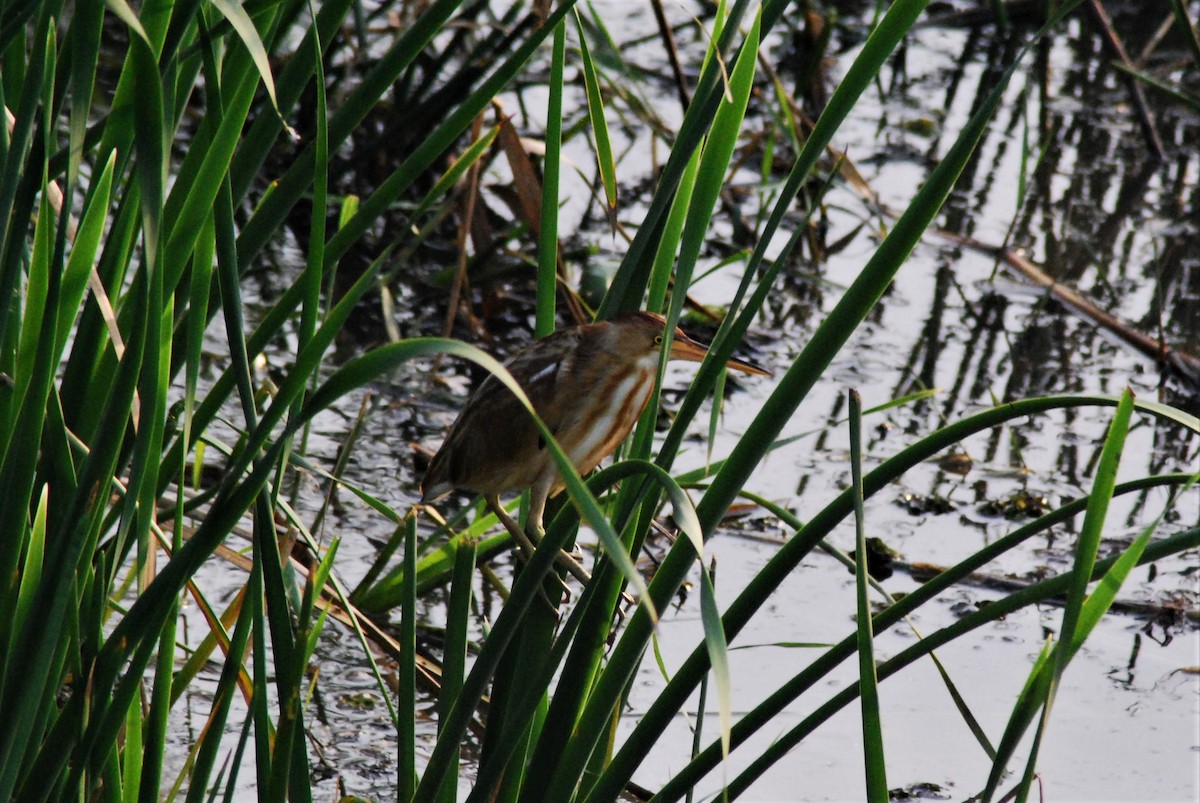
[[565, 560], [527, 543], [569, 562]]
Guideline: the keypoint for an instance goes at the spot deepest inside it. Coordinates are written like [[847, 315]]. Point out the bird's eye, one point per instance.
[[658, 340]]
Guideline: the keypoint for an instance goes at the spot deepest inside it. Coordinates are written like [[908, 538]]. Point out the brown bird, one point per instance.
[[588, 383]]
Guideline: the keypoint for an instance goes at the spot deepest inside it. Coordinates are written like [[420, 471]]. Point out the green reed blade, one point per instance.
[[872, 722], [595, 104]]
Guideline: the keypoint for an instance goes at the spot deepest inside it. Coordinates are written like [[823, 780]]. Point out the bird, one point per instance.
[[588, 383]]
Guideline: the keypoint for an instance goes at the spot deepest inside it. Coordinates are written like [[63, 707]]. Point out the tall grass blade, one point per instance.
[[547, 282], [718, 655], [31, 572], [668, 247], [83, 254], [1088, 544], [604, 154], [294, 80], [87, 22], [131, 754], [872, 723], [714, 162], [246, 31], [454, 660], [406, 696], [194, 193], [1086, 550]]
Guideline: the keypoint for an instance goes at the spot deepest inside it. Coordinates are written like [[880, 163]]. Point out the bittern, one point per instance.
[[588, 383]]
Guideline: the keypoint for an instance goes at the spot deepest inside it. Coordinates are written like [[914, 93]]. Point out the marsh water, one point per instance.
[[1066, 175]]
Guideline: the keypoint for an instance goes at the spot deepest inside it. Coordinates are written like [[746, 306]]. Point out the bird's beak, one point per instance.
[[684, 348]]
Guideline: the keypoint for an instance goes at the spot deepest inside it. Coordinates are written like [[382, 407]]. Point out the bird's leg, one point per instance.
[[537, 508], [514, 529], [539, 495], [527, 546]]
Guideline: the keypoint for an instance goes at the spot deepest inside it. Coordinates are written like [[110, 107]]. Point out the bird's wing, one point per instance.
[[494, 445], [542, 368]]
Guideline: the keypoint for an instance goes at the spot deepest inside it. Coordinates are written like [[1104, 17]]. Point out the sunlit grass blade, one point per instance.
[[714, 162], [83, 253], [199, 179], [31, 573], [131, 753], [294, 79], [150, 134], [604, 154], [37, 288], [86, 26], [312, 591], [1094, 607], [127, 16], [246, 31], [668, 246], [1102, 597], [718, 655]]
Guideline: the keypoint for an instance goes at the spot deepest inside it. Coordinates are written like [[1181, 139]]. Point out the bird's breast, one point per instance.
[[614, 408]]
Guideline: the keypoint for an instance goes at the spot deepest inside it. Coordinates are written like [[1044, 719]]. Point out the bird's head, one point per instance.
[[641, 334]]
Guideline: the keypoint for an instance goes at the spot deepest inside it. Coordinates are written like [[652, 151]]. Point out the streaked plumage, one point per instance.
[[588, 383]]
